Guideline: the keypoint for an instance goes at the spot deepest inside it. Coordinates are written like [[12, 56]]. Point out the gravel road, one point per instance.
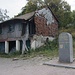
[[32, 66]]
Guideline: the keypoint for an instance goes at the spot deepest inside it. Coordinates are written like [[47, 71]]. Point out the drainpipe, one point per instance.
[[24, 38]]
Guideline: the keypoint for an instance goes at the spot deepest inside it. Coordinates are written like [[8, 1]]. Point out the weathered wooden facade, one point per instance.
[[29, 30]]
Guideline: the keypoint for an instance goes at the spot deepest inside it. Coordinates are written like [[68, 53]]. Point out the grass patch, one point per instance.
[[4, 55], [10, 55], [49, 49]]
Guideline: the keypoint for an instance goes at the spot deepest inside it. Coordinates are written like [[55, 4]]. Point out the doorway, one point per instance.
[[12, 46]]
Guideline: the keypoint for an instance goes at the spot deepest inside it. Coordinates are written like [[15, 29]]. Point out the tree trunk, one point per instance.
[[24, 38]]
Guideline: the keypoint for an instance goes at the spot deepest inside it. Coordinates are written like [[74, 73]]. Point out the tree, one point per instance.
[[31, 6], [3, 15], [73, 17], [60, 8], [62, 11]]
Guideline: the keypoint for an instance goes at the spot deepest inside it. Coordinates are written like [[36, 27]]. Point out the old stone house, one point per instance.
[[29, 30]]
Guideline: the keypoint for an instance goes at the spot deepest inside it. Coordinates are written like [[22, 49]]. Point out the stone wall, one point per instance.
[[40, 40]]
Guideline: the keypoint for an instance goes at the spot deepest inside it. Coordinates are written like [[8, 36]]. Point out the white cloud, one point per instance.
[[71, 3], [13, 6]]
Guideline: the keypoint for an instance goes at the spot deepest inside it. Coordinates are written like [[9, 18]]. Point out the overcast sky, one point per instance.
[[71, 3], [15, 6]]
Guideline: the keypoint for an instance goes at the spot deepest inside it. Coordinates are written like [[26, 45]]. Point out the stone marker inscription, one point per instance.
[[65, 48]]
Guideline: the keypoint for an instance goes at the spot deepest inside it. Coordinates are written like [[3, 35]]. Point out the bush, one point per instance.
[[48, 49], [14, 54]]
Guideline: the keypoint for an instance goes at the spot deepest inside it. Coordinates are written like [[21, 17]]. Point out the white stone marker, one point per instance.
[[65, 47]]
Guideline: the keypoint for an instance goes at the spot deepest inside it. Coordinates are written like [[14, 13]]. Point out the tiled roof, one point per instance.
[[26, 16]]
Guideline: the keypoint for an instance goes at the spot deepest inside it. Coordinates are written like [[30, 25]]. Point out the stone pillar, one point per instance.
[[33, 44], [65, 47], [6, 47], [17, 45]]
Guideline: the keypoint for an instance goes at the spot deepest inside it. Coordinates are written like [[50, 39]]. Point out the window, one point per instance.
[[11, 28], [20, 27], [0, 29]]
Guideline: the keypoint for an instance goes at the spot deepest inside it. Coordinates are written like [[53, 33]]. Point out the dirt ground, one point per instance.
[[32, 66]]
